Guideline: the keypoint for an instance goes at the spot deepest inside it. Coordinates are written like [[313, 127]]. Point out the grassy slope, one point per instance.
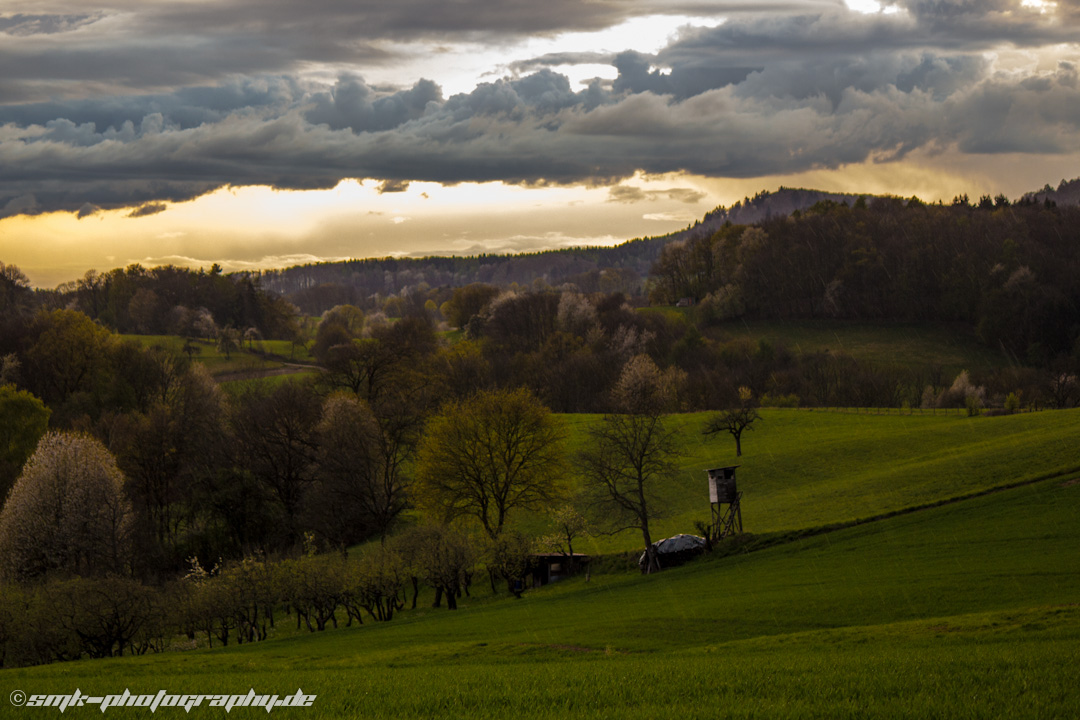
[[239, 361], [954, 348], [968, 610], [806, 468]]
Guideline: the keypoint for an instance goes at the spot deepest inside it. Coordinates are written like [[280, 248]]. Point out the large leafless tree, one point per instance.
[[631, 451]]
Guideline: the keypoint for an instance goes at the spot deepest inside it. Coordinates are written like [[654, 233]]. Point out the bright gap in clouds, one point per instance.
[[870, 6], [459, 68], [647, 35], [1041, 5]]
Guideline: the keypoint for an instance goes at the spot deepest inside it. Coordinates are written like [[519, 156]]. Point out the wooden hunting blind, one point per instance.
[[723, 492]]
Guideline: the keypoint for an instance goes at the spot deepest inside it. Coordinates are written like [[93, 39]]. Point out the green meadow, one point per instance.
[[258, 359], [914, 345], [964, 609], [809, 468]]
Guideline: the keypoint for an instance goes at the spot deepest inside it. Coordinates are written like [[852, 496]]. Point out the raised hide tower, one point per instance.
[[724, 499]]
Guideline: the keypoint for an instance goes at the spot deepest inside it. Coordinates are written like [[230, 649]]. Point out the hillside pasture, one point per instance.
[[914, 346], [966, 610], [810, 468], [261, 358]]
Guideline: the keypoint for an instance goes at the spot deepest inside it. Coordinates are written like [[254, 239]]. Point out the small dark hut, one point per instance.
[[547, 568]]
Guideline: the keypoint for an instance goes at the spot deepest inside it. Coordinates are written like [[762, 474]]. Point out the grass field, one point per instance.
[[967, 610], [954, 348], [262, 358], [808, 468]]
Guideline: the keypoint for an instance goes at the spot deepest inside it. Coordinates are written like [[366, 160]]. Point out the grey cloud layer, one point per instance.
[[759, 94], [135, 45]]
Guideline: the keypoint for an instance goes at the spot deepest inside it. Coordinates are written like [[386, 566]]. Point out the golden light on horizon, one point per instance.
[[261, 228]]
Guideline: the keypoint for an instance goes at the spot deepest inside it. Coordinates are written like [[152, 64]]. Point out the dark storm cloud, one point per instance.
[[533, 131], [48, 69], [352, 104], [826, 38], [22, 25], [138, 46], [682, 81], [187, 107], [87, 210], [393, 186], [1008, 16], [759, 94], [405, 20], [148, 209], [563, 58]]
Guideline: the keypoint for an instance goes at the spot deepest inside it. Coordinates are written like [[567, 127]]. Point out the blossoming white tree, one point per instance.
[[66, 512]]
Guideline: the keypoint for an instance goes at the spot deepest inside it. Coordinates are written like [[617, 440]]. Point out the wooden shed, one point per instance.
[[547, 568]]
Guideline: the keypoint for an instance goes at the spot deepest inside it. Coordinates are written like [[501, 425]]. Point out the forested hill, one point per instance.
[[1067, 193], [1010, 270], [623, 268], [317, 287], [764, 206]]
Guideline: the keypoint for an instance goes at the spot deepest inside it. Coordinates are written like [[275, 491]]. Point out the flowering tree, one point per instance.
[[65, 512]]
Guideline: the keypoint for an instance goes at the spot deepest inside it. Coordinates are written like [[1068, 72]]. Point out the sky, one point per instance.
[[265, 133]]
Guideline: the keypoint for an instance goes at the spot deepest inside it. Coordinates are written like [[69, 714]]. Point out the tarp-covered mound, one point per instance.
[[675, 550]]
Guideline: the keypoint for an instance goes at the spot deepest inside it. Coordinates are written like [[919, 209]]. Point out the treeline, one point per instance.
[[1011, 271], [368, 283], [211, 474], [569, 347], [160, 300]]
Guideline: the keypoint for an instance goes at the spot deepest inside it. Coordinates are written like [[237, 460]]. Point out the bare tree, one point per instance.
[[630, 451], [508, 557], [103, 614], [228, 341], [735, 420], [376, 583]]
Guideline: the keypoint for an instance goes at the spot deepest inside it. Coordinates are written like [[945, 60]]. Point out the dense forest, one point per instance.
[[1011, 271], [160, 300]]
